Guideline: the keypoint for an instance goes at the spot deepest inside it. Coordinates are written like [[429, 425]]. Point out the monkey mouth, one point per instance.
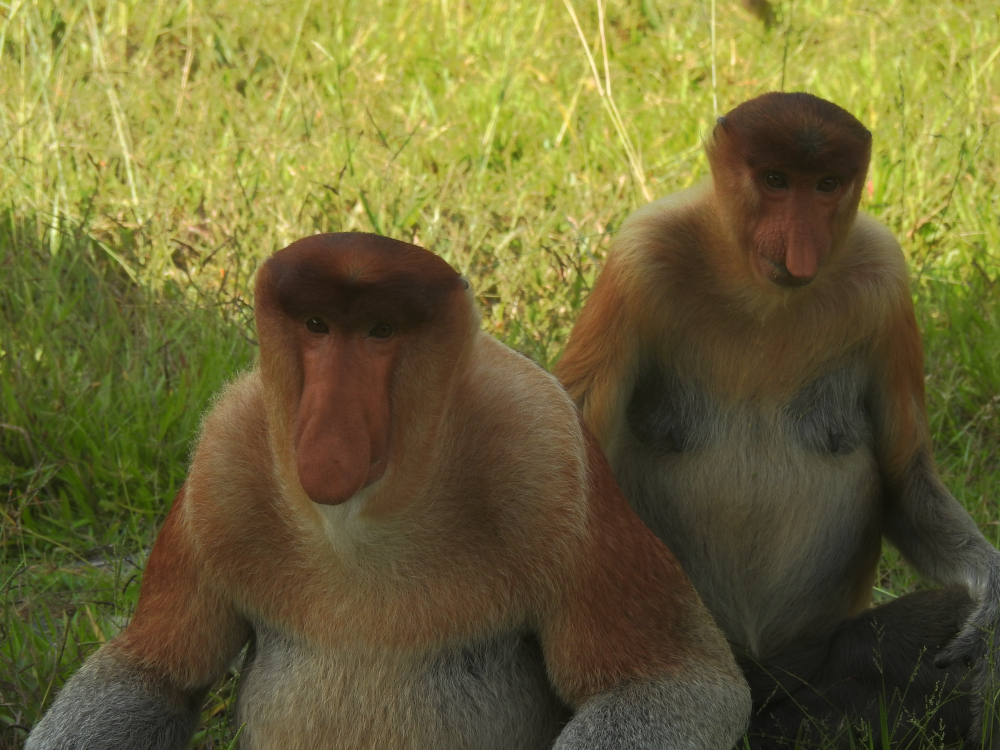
[[778, 274]]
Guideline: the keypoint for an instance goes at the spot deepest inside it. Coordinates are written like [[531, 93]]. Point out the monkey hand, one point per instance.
[[976, 646], [975, 642]]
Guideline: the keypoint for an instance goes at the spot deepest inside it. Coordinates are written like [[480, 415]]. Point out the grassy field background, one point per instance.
[[152, 153]]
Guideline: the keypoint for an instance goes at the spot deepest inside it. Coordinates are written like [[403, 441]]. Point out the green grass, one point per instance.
[[153, 153], [103, 385]]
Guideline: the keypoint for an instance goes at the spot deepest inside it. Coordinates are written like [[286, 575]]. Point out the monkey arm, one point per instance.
[[600, 354], [691, 711], [629, 644], [144, 688], [922, 518], [935, 533]]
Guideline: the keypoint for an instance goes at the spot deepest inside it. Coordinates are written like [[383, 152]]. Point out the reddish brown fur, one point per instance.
[[606, 591], [794, 131], [368, 277], [183, 628], [749, 361], [902, 421], [364, 283], [764, 346], [679, 282], [491, 519], [765, 351]]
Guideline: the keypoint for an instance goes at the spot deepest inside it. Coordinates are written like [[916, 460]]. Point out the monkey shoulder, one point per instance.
[[229, 476], [866, 289], [519, 380], [674, 209], [234, 430], [523, 403], [873, 248], [658, 241], [509, 406], [870, 230], [238, 410]]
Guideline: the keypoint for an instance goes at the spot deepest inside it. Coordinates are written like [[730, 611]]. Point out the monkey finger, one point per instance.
[[959, 648], [968, 645], [943, 660]]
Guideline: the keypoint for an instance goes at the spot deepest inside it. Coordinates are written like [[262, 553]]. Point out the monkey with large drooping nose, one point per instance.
[[421, 544], [750, 362]]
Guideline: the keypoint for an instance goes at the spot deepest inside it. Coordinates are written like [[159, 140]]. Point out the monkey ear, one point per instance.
[[720, 130]]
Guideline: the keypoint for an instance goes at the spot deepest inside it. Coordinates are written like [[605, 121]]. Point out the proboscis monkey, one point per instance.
[[750, 362], [422, 545]]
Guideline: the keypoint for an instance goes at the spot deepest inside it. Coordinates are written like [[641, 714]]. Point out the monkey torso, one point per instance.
[[414, 540], [741, 427], [381, 658], [769, 509]]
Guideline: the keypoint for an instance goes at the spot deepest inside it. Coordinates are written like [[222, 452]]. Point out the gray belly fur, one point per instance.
[[773, 514], [488, 696]]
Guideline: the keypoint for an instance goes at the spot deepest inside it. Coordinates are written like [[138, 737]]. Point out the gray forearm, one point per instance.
[[688, 714], [107, 706], [936, 534]]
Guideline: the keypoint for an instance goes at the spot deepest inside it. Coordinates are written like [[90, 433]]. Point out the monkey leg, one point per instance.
[[872, 679]]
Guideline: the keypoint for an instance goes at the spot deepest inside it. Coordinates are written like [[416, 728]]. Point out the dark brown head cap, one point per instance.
[[342, 272], [795, 131]]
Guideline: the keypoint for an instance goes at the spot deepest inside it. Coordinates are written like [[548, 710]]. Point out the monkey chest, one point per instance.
[[693, 461], [763, 506], [488, 695], [826, 417]]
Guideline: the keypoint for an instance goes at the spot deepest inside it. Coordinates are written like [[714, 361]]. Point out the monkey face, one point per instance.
[[795, 228], [788, 171], [339, 316]]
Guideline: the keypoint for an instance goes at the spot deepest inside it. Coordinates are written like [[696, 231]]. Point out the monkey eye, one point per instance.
[[775, 180], [317, 325], [828, 184], [380, 331]]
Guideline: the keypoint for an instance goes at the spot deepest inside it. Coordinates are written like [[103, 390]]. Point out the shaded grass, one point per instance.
[[102, 387], [154, 152]]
